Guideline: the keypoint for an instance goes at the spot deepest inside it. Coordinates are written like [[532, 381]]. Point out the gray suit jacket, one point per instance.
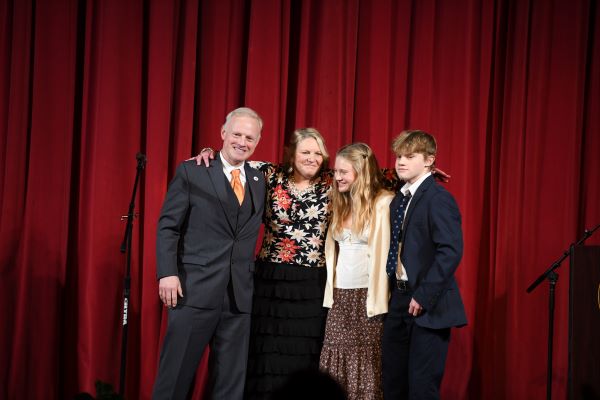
[[200, 240]]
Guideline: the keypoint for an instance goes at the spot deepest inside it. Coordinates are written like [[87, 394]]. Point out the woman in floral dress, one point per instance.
[[288, 318]]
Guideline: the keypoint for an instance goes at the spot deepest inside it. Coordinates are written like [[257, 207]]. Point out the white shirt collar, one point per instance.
[[227, 168], [412, 188]]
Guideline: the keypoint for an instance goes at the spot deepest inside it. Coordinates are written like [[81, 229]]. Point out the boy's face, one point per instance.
[[410, 167]]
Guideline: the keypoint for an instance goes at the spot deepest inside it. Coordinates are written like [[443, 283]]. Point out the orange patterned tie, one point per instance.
[[236, 185]]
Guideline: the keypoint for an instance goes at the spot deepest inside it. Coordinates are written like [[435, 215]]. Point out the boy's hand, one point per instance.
[[414, 308]]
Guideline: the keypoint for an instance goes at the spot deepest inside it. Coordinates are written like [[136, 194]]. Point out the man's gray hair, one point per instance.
[[244, 112]]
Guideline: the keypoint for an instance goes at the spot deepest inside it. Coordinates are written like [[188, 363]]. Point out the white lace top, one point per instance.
[[351, 271]]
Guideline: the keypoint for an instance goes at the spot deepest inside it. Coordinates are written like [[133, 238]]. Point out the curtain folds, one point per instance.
[[510, 90]]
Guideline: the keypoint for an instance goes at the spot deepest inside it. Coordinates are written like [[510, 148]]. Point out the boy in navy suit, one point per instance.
[[426, 248]]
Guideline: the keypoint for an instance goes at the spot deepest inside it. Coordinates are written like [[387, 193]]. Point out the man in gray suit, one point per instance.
[[207, 234]]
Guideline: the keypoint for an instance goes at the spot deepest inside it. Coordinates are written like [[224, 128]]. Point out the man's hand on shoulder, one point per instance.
[[168, 289]]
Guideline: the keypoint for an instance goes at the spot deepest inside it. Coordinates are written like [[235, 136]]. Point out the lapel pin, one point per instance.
[[256, 179]]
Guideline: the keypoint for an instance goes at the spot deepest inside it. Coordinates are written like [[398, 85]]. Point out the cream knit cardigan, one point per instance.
[[378, 248]]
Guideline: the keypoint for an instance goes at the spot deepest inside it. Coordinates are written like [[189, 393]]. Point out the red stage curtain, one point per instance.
[[510, 89]]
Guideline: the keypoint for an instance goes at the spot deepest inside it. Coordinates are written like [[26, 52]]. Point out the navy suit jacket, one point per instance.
[[432, 247], [200, 240]]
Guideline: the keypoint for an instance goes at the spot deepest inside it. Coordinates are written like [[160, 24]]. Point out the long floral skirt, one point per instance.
[[351, 351]]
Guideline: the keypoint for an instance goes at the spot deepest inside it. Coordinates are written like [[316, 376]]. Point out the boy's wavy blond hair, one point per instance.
[[415, 141]]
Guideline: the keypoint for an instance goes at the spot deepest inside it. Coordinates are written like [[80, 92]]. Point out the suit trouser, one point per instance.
[[413, 357], [189, 330]]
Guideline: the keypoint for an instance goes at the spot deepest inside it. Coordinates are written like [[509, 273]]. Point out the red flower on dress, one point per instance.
[[282, 198], [287, 249]]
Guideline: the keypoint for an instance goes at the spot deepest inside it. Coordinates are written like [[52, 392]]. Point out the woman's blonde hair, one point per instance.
[[299, 135], [358, 202]]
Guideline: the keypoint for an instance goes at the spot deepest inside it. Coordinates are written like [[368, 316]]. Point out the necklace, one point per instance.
[[296, 191]]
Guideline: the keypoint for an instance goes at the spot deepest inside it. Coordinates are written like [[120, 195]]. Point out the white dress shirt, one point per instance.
[[412, 189], [227, 168]]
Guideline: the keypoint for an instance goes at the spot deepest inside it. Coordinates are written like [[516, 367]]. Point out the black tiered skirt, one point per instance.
[[288, 325]]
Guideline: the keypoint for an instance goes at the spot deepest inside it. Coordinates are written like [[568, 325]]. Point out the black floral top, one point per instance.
[[296, 221]]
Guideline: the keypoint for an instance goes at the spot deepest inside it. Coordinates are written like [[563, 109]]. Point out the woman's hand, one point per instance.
[[205, 155]]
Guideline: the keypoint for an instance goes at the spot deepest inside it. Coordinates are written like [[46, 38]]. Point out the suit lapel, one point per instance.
[[215, 172], [414, 203], [253, 183]]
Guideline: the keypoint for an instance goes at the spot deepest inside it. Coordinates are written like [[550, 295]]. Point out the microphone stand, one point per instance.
[[552, 277], [126, 248]]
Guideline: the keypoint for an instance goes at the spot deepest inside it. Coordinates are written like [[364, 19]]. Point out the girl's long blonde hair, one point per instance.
[[358, 202]]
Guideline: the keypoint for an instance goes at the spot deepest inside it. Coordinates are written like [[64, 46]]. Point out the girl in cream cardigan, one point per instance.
[[356, 290]]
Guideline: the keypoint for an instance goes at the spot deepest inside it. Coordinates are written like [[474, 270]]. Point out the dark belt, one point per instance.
[[402, 286]]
